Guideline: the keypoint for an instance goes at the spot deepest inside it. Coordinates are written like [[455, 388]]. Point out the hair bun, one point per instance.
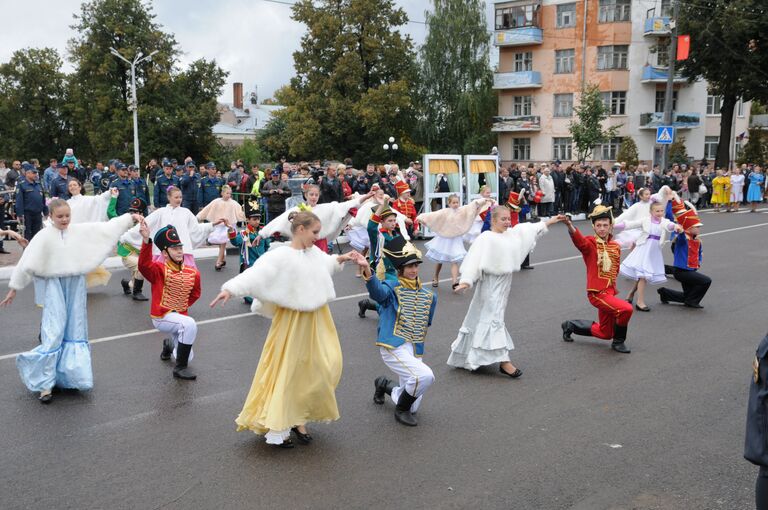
[[292, 215]]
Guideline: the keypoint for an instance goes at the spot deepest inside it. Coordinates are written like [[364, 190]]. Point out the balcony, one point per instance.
[[517, 124], [653, 74], [656, 27], [523, 36], [521, 80], [686, 120]]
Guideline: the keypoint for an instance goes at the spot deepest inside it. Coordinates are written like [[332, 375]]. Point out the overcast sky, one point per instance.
[[253, 40]]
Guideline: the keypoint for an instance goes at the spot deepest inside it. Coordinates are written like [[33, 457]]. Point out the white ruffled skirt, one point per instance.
[[646, 261], [446, 250], [358, 238]]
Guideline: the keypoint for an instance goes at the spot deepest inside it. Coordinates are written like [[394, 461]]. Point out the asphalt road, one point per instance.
[[584, 428]]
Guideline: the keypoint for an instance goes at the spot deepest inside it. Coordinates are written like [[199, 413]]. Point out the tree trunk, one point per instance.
[[723, 157]]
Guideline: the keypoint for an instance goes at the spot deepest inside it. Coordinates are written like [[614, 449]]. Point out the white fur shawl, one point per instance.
[[288, 278], [191, 233], [77, 250], [89, 208], [220, 208], [499, 254], [452, 222], [334, 216], [366, 211]]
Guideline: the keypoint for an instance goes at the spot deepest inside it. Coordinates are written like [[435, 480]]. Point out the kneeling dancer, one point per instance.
[[405, 311], [175, 287], [602, 256]]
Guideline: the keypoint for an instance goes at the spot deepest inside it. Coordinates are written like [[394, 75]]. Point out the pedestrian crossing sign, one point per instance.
[[665, 135]]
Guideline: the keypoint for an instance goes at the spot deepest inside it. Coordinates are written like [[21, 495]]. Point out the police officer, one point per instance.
[[210, 185], [108, 175], [190, 184], [756, 439], [60, 184], [30, 202], [127, 188], [162, 182], [142, 190]]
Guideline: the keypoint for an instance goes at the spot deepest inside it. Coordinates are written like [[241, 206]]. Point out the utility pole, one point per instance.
[[669, 94], [133, 104]]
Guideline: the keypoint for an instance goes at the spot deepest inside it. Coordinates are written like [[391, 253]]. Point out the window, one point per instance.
[[714, 104], [660, 94], [614, 10], [521, 149], [562, 149], [615, 102], [517, 16], [740, 108], [523, 62], [612, 57], [563, 105], [666, 8], [608, 151], [564, 60], [566, 16], [662, 53], [521, 106], [710, 146], [736, 149]]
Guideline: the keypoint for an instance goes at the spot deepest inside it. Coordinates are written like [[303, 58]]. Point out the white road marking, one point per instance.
[[352, 296]]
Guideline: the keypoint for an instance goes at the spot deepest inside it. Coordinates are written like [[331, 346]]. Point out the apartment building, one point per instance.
[[549, 48]]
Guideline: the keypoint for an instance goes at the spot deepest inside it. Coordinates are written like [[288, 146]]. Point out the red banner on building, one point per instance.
[[683, 46]]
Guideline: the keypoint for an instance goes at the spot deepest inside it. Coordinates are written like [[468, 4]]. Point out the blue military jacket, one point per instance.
[[128, 191], [161, 186], [210, 190], [404, 313], [189, 187], [29, 198], [756, 439], [60, 187]]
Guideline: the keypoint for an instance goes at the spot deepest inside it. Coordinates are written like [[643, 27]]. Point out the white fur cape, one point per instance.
[[89, 208], [451, 223], [334, 216], [636, 213], [77, 250], [499, 254], [365, 212], [191, 233], [288, 278]]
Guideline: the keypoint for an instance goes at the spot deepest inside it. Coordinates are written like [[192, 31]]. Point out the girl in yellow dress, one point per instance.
[[721, 190], [300, 365]]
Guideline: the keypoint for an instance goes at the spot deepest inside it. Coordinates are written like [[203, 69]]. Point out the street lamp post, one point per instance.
[[391, 146], [133, 105]]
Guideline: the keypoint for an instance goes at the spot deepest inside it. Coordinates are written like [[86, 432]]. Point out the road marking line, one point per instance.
[[352, 296]]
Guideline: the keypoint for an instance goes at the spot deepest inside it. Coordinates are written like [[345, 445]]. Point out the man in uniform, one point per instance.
[[127, 188], [189, 184], [210, 185], [162, 182], [30, 202], [142, 190], [602, 256], [60, 184]]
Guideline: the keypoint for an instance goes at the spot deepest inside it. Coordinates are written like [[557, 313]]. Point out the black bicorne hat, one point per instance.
[[401, 252], [167, 237]]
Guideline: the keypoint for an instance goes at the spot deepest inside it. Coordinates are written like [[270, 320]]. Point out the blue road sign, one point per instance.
[[665, 135]]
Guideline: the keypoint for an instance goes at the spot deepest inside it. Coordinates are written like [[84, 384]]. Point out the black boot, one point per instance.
[[138, 285], [403, 409], [383, 387], [583, 328], [619, 337], [165, 355], [126, 287], [363, 305], [181, 371]]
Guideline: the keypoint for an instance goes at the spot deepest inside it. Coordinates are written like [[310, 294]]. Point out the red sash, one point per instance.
[[694, 245]]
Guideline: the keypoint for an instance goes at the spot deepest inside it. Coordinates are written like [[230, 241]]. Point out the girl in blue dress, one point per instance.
[[755, 191]]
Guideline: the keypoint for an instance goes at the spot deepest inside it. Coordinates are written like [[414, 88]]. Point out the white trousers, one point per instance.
[[415, 376], [182, 328], [131, 263]]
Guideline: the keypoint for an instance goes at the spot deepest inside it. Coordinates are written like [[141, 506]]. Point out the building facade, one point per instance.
[[548, 49], [243, 118]]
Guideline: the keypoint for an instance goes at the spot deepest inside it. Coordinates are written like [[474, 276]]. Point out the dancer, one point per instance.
[[687, 249], [406, 206], [450, 225], [129, 254], [300, 365], [483, 338], [57, 260], [737, 190], [645, 265], [406, 311], [251, 246], [86, 209], [755, 191], [721, 190], [175, 287], [601, 256], [480, 219], [639, 211], [513, 205], [223, 207]]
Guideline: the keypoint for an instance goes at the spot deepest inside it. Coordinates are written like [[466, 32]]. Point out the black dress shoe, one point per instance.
[[301, 438], [285, 444], [184, 373], [45, 399], [126, 287], [165, 355], [642, 308], [620, 347], [567, 330], [380, 385], [527, 267], [663, 299], [362, 306], [514, 375], [692, 305]]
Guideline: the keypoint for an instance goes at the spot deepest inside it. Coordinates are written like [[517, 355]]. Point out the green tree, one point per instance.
[[587, 130], [628, 152], [251, 153], [456, 101], [756, 149], [32, 94], [728, 49], [351, 90], [678, 153]]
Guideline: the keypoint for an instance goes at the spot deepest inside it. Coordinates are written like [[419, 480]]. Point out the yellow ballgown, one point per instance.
[[721, 190]]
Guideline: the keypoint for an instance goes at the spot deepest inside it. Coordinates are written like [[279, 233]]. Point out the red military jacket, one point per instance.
[[173, 290], [598, 279], [408, 209]]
